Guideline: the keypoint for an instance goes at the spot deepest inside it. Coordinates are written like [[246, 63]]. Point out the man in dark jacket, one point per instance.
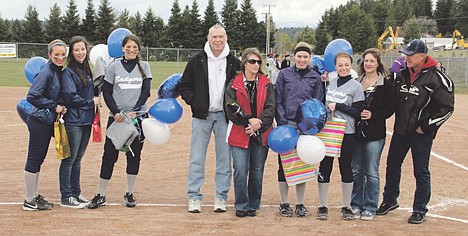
[[425, 100], [202, 87], [286, 62]]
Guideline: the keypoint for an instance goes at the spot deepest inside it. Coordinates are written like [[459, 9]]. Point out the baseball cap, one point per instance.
[[415, 46]]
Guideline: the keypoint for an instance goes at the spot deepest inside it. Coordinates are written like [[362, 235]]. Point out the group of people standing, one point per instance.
[[238, 103], [70, 93]]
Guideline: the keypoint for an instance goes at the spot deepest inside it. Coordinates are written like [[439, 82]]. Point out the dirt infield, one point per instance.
[[161, 190]]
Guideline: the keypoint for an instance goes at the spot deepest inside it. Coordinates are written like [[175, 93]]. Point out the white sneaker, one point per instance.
[[194, 206], [357, 214], [367, 216], [81, 199], [72, 202], [219, 205]]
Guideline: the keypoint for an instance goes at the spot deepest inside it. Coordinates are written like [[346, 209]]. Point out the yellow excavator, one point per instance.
[[394, 36], [458, 41]]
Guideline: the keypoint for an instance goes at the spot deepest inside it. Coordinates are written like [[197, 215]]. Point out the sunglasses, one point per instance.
[[253, 61]]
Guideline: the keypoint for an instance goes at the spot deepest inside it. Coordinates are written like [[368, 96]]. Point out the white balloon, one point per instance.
[[100, 50], [310, 149], [155, 132]]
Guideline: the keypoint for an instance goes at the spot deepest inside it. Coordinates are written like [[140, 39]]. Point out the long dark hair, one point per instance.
[[137, 40], [74, 65], [381, 68]]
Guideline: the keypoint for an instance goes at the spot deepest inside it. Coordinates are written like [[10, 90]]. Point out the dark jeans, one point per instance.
[[110, 156], [420, 145], [70, 168], [39, 139], [345, 159]]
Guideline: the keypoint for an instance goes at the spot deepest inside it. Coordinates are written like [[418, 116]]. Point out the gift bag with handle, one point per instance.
[[295, 170], [62, 147], [96, 126], [332, 136]]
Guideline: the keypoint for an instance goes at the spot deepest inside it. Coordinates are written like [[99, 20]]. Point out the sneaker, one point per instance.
[[241, 214], [219, 205], [35, 205], [82, 199], [51, 204], [385, 208], [285, 210], [367, 216], [129, 200], [417, 218], [357, 214], [251, 213], [347, 213], [72, 202], [194, 206], [322, 213], [301, 210], [97, 201]]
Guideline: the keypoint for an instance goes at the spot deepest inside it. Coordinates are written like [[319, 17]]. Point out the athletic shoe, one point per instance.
[[385, 208], [301, 210], [367, 216], [72, 202], [194, 206], [347, 213], [285, 210], [322, 213], [219, 205], [82, 199], [251, 213], [35, 205], [241, 214], [51, 204], [417, 218], [357, 214], [129, 200], [97, 201]]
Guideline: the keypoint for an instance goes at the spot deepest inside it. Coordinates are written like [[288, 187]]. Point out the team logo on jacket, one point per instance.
[[413, 89]]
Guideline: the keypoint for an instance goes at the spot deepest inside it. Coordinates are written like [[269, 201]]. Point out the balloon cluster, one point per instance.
[[333, 48], [311, 116], [168, 88]]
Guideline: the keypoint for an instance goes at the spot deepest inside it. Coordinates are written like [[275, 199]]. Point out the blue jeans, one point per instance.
[[70, 168], [366, 185], [249, 164], [201, 133], [420, 145]]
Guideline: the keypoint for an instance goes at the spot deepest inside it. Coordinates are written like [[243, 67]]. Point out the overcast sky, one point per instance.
[[286, 13]]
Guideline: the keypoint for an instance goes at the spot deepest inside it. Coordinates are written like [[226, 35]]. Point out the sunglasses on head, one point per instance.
[[253, 61]]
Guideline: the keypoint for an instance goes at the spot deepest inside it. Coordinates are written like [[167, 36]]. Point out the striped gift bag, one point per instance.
[[295, 170], [332, 136]]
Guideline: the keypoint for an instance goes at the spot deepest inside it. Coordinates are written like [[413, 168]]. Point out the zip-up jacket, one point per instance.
[[292, 89], [45, 92], [78, 97], [236, 93], [193, 86], [427, 103]]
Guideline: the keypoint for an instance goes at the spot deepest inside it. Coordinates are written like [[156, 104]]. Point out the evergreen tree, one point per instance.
[[71, 21], [89, 26], [17, 31], [54, 28], [32, 27], [105, 21], [412, 30], [399, 12], [210, 19], [379, 9], [443, 13], [421, 8], [124, 20], [322, 36], [198, 38], [173, 36], [5, 33], [136, 24], [152, 30], [460, 16], [186, 41], [230, 17], [250, 31], [307, 35], [358, 28]]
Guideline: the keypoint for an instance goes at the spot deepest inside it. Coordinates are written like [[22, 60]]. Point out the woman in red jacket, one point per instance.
[[250, 108]]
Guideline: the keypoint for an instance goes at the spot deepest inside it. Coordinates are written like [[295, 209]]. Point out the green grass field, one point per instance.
[[12, 72]]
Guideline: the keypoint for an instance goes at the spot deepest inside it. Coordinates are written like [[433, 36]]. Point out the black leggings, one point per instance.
[[346, 171], [111, 155]]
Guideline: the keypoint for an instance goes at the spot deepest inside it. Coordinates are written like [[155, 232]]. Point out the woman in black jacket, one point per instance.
[[370, 134]]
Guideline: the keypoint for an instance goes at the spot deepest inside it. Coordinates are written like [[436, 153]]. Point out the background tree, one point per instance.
[[173, 35], [460, 16], [136, 24], [71, 21], [149, 32], [5, 32], [210, 18], [123, 21], [17, 31], [400, 11], [284, 43], [230, 17], [54, 24], [443, 13], [421, 8], [32, 27], [322, 34], [250, 32], [411, 30], [105, 21], [428, 27], [88, 28], [358, 28], [196, 32], [307, 35], [187, 41]]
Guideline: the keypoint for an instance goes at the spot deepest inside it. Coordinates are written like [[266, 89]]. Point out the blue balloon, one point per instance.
[[33, 66], [334, 47], [311, 116], [318, 62], [24, 109], [166, 110], [114, 41], [283, 139], [168, 88]]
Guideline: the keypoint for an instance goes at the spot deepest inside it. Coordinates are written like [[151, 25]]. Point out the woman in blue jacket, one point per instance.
[[45, 95], [77, 88]]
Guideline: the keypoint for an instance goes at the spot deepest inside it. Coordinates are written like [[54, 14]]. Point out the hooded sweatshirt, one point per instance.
[[216, 77]]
